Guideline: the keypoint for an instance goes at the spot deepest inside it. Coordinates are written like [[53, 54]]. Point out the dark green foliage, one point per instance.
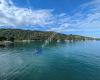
[[17, 34], [3, 38]]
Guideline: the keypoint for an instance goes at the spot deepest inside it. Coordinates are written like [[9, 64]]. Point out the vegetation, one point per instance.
[[18, 35]]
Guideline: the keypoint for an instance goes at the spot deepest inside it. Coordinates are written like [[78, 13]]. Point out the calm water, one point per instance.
[[57, 61]]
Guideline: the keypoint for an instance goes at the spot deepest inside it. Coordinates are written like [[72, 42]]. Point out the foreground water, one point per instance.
[[56, 61]]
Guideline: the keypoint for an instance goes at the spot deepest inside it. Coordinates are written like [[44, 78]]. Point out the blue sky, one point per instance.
[[80, 17], [65, 6]]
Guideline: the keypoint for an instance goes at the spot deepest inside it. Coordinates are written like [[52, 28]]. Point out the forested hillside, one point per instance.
[[18, 34]]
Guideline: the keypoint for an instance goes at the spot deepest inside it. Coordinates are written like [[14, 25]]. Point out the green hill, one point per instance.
[[18, 35]]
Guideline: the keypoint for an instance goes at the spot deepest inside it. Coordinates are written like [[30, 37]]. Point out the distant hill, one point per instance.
[[18, 35]]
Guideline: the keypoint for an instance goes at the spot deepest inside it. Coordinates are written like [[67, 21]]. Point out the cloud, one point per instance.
[[89, 15], [11, 15], [85, 18]]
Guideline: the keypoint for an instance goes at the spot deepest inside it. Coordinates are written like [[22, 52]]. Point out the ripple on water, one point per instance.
[[72, 61]]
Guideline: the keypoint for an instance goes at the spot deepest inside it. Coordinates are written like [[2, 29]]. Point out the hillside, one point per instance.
[[18, 35]]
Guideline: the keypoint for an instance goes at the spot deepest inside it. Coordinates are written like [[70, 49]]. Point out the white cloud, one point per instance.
[[87, 18], [91, 18], [11, 15]]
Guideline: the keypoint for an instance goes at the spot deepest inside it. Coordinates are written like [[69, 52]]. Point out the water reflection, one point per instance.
[[7, 45], [56, 61], [37, 51]]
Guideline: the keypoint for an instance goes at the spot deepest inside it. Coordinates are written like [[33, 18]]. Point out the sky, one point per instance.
[[81, 17]]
